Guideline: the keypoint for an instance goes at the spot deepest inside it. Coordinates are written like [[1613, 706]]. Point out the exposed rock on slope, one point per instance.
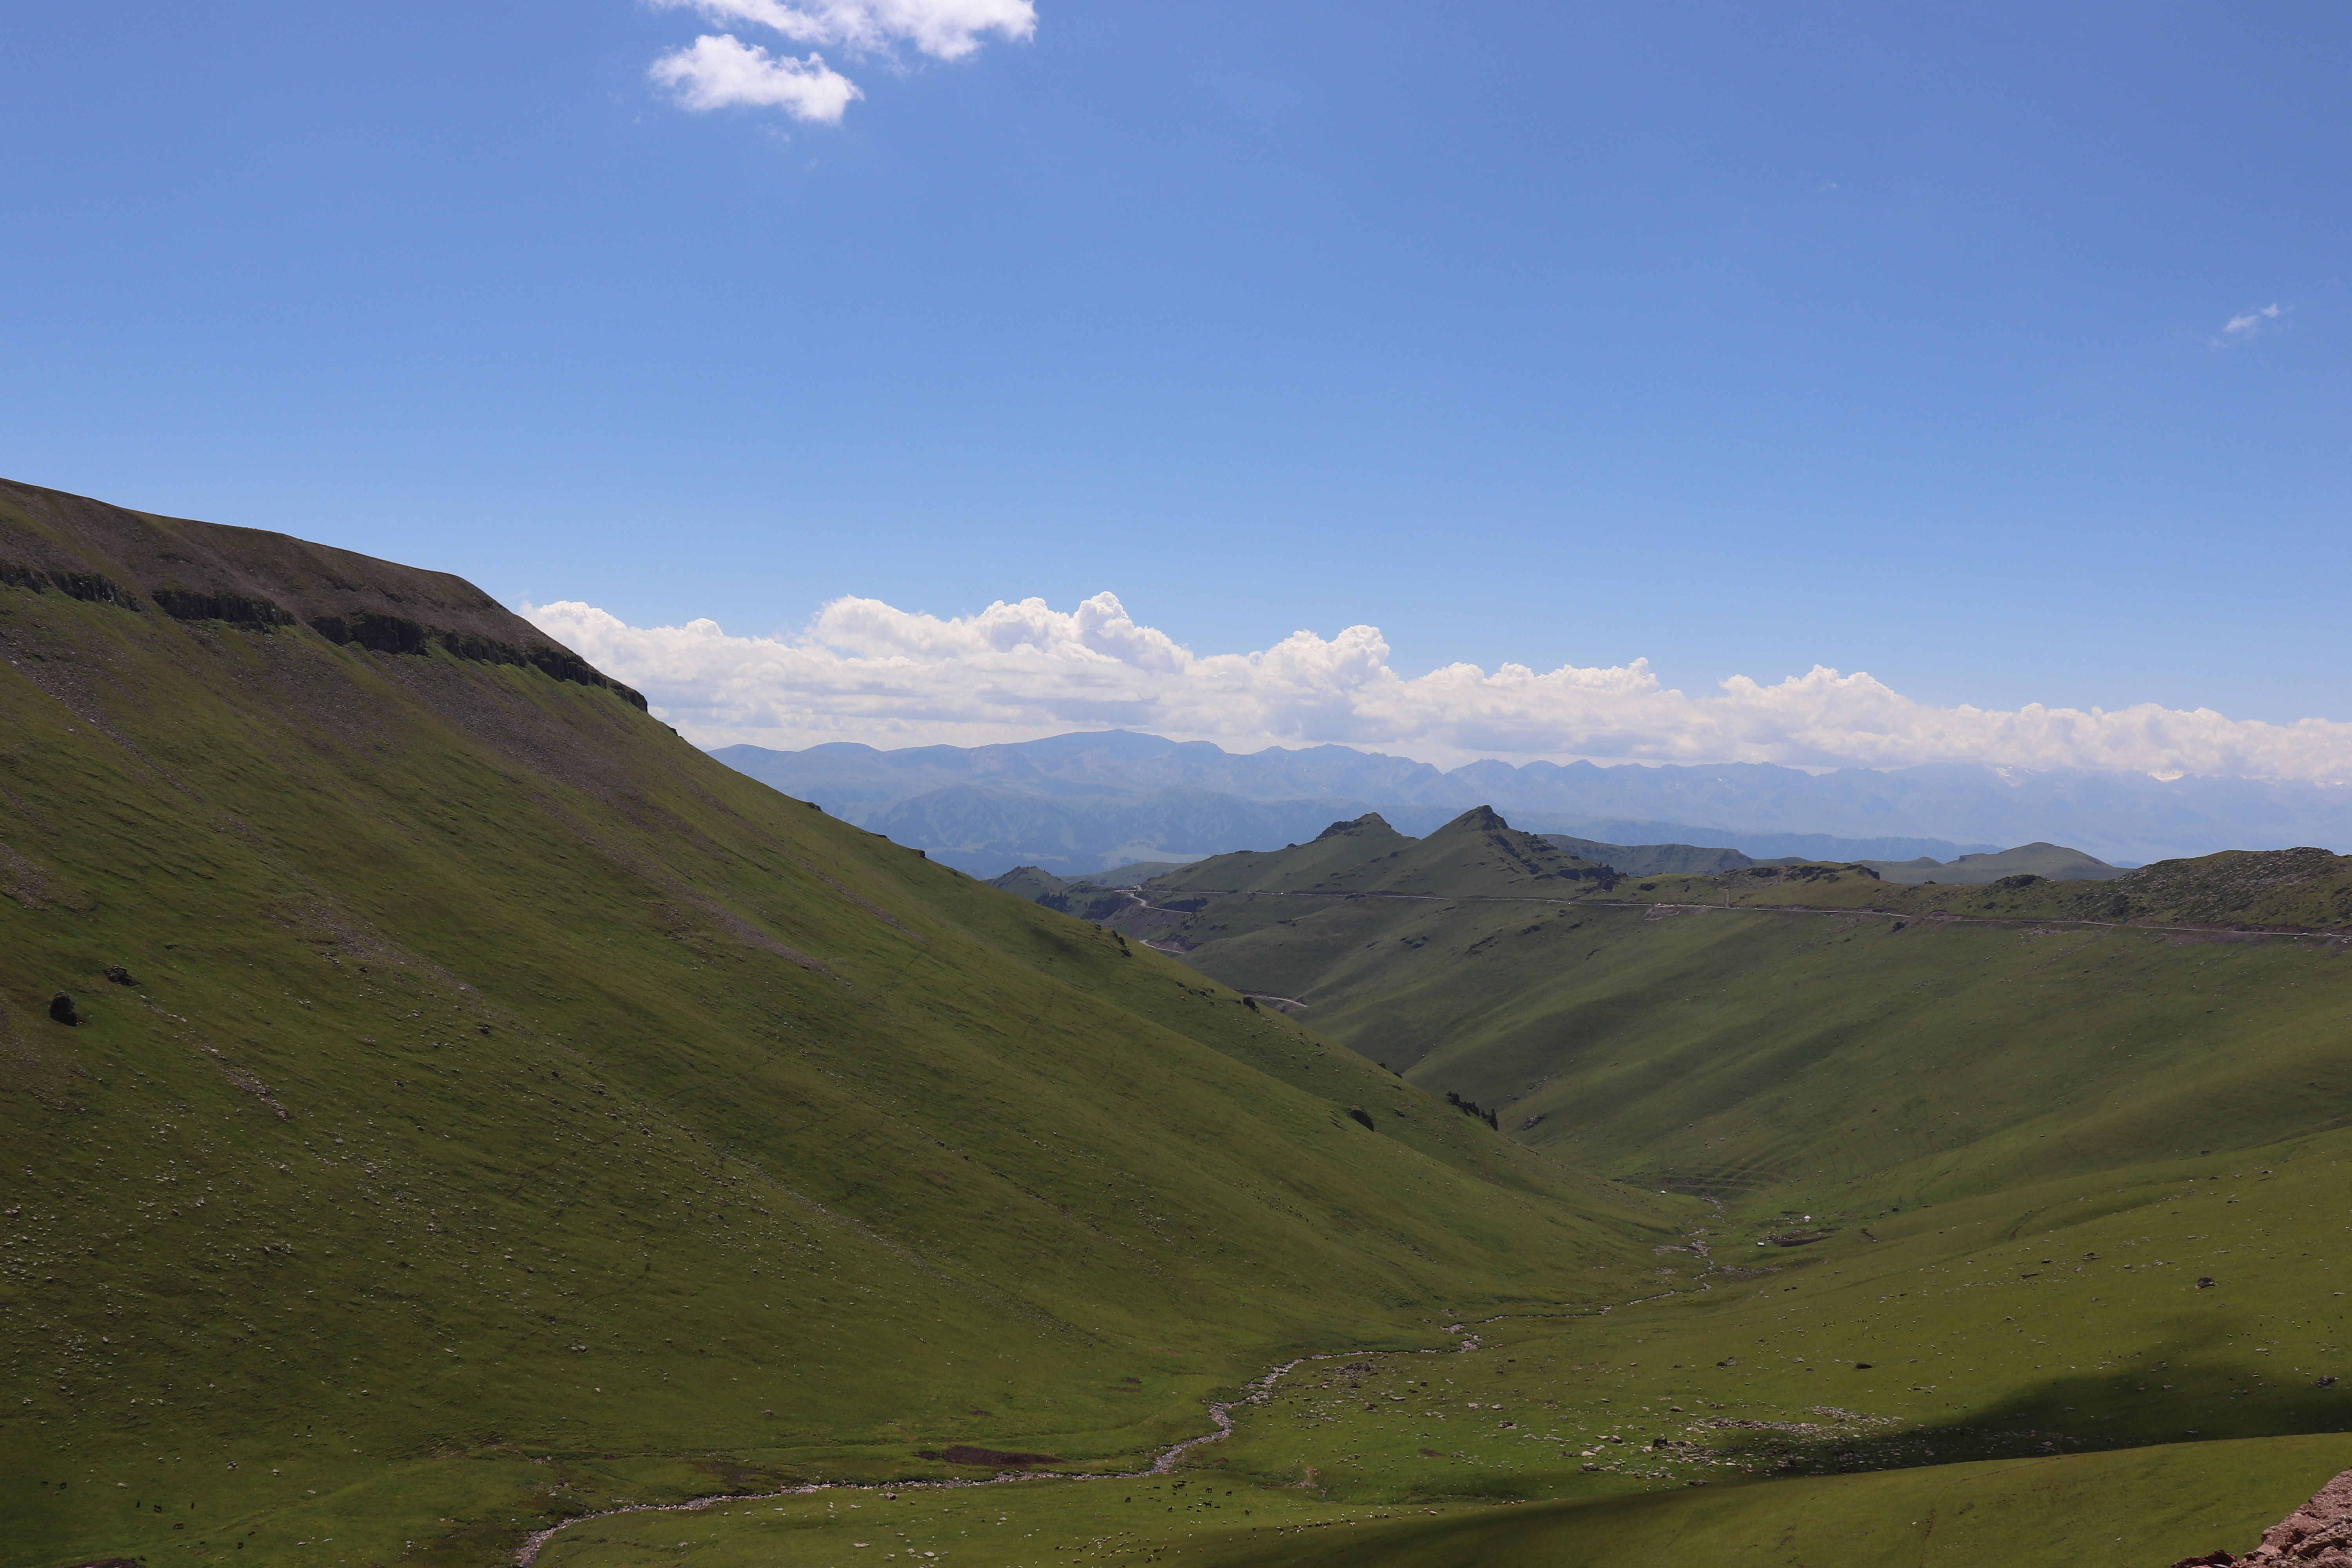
[[54, 543], [2303, 886], [2316, 1535]]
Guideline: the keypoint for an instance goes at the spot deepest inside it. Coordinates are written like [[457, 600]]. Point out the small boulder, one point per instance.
[[61, 1008], [118, 976]]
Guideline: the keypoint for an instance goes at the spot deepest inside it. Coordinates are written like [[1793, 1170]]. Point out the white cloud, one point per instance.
[[2236, 329], [944, 29], [718, 71], [712, 73], [867, 671]]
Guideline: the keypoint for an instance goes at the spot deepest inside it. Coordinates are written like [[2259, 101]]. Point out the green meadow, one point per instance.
[[2108, 1509], [479, 1113]]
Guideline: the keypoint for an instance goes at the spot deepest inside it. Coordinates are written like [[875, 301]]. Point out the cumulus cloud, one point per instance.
[[944, 29], [713, 72], [867, 671], [718, 71]]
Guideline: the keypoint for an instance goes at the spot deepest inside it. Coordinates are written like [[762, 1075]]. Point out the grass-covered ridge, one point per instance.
[[1476, 854], [503, 1109], [1810, 1036]]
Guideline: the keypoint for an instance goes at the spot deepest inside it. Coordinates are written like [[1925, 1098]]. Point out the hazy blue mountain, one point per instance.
[[846, 778], [988, 831], [2054, 861], [1766, 812]]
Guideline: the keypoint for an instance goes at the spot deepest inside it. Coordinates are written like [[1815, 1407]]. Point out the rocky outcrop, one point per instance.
[[2267, 886], [90, 586], [185, 605], [248, 578], [2316, 1535]]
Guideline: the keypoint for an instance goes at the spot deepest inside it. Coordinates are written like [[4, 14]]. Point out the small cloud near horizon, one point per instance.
[[867, 671], [720, 70]]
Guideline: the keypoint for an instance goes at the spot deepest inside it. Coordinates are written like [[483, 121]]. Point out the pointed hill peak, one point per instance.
[[1032, 882], [1477, 855]]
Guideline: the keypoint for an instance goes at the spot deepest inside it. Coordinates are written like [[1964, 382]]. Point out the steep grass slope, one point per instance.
[[480, 1106]]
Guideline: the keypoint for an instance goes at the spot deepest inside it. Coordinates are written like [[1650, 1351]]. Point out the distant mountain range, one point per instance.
[[1079, 803]]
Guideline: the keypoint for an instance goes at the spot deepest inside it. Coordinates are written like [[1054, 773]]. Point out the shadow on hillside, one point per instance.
[[2207, 1400]]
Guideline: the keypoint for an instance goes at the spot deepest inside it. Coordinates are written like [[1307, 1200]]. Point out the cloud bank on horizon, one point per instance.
[[867, 671], [720, 71]]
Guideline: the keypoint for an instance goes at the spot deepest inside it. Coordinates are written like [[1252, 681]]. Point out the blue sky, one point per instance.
[[1740, 338]]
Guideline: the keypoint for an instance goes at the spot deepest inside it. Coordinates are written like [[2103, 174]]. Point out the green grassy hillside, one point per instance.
[[1030, 882], [2132, 1509], [482, 1107], [2021, 1192], [2279, 889], [1809, 1038], [2123, 1369]]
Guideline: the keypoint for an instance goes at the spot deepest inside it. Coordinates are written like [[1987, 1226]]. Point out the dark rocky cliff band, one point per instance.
[[85, 585], [396, 634], [368, 629]]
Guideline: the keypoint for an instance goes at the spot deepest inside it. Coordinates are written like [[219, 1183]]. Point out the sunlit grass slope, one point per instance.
[[2161, 1345], [2124, 1370], [2128, 1509], [2178, 1304], [1842, 1061], [502, 1109], [2124, 1509]]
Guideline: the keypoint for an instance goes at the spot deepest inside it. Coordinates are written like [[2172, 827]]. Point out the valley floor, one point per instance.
[[2121, 1370]]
